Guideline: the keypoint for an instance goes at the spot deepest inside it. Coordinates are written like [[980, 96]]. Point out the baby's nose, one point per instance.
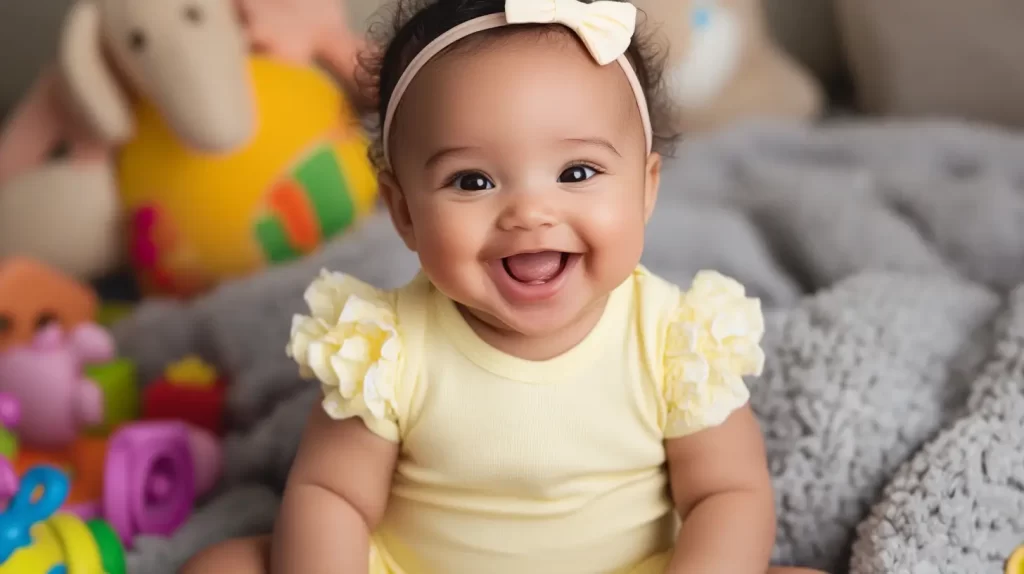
[[527, 212]]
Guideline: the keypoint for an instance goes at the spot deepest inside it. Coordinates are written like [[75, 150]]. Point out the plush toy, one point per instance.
[[723, 66], [34, 296], [231, 149], [304, 179]]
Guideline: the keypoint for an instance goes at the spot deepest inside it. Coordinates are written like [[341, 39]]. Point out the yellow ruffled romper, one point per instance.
[[509, 466]]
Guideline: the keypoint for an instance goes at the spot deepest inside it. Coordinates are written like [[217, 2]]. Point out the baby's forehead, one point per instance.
[[511, 77]]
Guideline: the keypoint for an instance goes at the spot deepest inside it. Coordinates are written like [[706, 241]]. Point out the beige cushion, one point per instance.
[[937, 57]]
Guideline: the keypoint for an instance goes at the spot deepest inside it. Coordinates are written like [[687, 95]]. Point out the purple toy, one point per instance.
[[8, 480], [154, 469], [46, 377], [10, 411], [10, 416]]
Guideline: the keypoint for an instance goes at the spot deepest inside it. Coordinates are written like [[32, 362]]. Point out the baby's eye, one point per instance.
[[576, 174], [471, 181]]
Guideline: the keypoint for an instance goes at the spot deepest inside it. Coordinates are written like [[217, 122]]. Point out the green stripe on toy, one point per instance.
[[274, 240], [110, 547], [328, 191]]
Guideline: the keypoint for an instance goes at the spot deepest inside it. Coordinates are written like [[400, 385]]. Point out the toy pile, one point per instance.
[[122, 160], [116, 458]]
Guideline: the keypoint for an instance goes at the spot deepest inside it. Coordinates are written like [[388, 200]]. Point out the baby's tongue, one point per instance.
[[534, 267]]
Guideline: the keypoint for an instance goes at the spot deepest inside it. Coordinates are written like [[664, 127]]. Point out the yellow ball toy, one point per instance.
[[197, 219]]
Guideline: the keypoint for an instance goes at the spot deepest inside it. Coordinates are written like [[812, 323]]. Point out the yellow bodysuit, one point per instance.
[[510, 466]]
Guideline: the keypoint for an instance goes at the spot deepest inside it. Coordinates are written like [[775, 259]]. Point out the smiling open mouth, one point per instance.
[[536, 268]]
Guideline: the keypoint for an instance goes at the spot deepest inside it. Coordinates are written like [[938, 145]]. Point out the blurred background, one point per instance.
[[912, 57], [174, 172]]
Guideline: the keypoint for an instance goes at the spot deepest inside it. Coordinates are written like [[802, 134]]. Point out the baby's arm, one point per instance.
[[723, 492], [335, 497]]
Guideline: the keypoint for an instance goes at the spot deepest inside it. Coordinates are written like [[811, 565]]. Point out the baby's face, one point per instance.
[[521, 179]]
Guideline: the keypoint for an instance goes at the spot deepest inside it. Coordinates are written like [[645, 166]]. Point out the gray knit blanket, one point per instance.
[[890, 259]]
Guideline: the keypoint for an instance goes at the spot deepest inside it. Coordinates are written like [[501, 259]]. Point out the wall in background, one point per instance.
[[28, 39]]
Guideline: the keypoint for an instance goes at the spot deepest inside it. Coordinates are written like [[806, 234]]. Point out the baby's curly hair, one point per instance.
[[412, 24]]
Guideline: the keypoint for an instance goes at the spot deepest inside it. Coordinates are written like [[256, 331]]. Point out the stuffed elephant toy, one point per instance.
[[58, 197]]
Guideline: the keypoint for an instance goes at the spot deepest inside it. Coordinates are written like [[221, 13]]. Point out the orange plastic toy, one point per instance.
[[33, 294], [83, 461]]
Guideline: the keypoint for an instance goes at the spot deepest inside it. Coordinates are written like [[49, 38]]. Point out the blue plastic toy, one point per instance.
[[36, 539], [23, 512]]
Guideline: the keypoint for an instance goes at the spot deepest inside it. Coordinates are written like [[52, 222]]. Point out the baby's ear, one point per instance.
[[651, 184], [397, 207]]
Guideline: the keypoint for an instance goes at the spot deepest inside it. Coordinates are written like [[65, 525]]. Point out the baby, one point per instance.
[[534, 402]]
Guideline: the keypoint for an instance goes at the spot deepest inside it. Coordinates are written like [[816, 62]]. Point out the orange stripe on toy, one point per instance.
[[288, 200]]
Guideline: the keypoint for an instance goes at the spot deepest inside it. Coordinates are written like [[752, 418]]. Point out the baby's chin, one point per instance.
[[542, 323], [531, 323]]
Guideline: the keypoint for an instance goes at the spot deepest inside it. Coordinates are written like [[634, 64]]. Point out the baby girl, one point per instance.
[[534, 401]]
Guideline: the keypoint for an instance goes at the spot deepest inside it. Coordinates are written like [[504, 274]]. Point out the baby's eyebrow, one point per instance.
[[598, 141], [441, 153]]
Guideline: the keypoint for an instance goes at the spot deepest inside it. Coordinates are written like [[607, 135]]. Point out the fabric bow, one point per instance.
[[605, 26]]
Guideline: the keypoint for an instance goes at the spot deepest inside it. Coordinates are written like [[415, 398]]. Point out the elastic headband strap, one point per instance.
[[481, 24]]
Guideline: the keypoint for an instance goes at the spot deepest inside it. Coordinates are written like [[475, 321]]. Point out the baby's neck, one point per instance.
[[536, 348]]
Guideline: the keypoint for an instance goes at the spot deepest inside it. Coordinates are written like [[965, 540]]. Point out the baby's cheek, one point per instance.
[[449, 253], [614, 232], [613, 222]]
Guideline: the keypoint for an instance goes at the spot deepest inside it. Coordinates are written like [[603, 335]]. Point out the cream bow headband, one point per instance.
[[605, 27]]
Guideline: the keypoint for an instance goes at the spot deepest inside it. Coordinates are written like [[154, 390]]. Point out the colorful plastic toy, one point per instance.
[[118, 382], [46, 376], [35, 540], [190, 391], [83, 461], [143, 480], [150, 484], [1015, 563], [33, 295], [10, 416], [8, 480]]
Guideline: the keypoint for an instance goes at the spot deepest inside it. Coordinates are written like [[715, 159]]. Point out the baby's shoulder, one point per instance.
[[355, 340], [711, 295], [702, 341]]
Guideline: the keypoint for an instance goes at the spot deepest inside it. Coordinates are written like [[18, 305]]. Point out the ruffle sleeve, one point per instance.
[[350, 343], [713, 341]]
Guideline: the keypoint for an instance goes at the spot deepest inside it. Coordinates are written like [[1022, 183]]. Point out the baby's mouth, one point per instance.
[[536, 268]]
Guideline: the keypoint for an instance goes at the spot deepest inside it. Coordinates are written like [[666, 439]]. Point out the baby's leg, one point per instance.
[[791, 570], [237, 556]]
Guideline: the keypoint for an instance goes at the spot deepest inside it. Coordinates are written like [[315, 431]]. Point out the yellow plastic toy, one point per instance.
[[198, 219], [1015, 564], [37, 541], [191, 371]]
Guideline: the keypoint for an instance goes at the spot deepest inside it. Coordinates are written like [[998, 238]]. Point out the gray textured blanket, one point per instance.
[[888, 257]]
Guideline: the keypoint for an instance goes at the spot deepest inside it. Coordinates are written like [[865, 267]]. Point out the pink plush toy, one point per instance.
[[189, 58], [46, 377]]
